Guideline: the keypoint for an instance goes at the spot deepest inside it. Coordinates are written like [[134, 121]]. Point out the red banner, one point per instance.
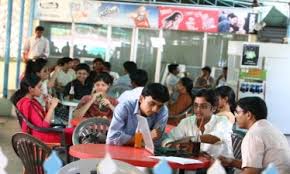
[[188, 19]]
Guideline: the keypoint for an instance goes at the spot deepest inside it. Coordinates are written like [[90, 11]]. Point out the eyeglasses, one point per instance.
[[201, 106], [238, 112]]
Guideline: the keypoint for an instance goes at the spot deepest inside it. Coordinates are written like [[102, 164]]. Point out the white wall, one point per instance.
[[277, 64]]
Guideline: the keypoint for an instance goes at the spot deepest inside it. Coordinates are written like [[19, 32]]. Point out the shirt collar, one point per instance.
[[38, 37], [211, 122], [136, 108]]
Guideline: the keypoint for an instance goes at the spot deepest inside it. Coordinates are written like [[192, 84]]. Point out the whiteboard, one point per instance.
[[278, 92]]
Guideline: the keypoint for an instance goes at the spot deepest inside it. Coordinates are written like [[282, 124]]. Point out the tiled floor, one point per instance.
[[7, 129]]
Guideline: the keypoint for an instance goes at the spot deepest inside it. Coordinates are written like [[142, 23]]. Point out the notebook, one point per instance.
[[149, 145]]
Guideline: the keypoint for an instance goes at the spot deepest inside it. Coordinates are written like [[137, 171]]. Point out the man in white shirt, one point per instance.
[[172, 78], [129, 67], [36, 46], [139, 79], [263, 143], [214, 132]]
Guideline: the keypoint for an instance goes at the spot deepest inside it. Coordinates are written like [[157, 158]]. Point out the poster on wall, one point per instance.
[[251, 89], [236, 21], [250, 56], [188, 19], [96, 12], [128, 15]]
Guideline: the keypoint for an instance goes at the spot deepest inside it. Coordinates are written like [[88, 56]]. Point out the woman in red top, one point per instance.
[[98, 103], [24, 99]]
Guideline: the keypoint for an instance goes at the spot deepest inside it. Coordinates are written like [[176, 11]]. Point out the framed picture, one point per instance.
[[250, 56]]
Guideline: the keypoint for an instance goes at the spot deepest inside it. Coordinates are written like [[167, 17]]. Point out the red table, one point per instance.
[[131, 155]]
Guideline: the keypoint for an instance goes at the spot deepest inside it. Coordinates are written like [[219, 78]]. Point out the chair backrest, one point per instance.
[[92, 130], [116, 90], [237, 139], [31, 151], [22, 118]]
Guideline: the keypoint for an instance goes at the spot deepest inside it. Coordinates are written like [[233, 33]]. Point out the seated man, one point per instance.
[[204, 126], [204, 80], [263, 143], [139, 79], [150, 105], [80, 86], [172, 78], [129, 67]]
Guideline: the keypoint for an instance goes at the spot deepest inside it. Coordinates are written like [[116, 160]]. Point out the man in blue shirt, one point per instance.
[[150, 105]]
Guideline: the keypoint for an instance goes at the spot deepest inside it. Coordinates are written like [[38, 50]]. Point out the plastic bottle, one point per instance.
[[138, 138], [71, 93]]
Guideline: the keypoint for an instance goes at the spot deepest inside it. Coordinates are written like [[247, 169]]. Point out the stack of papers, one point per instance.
[[178, 160]]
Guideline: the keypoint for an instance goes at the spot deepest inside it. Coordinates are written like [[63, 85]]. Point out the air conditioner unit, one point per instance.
[[272, 34]]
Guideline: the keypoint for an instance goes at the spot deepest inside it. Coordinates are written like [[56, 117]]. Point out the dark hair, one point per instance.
[[255, 105], [173, 16], [232, 15], [188, 84], [206, 68], [34, 66], [130, 66], [30, 80], [209, 96], [226, 91], [98, 59], [105, 77], [225, 68], [139, 77], [157, 91], [39, 28], [107, 65], [172, 67], [76, 59], [83, 66], [64, 60]]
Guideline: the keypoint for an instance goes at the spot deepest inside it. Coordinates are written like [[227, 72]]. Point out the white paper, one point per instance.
[[107, 165], [144, 128], [178, 160], [216, 168]]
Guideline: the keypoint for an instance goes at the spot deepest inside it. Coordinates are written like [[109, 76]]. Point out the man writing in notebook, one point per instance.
[[150, 105]]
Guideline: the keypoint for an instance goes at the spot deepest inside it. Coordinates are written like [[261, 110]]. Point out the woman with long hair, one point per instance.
[[173, 21], [184, 100], [39, 68], [25, 102], [226, 106]]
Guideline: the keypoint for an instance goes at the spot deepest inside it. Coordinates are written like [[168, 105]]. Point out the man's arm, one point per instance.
[[159, 126], [116, 134], [229, 162], [26, 49], [249, 170]]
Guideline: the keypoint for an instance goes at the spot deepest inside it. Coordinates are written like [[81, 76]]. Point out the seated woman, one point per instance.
[[24, 100], [98, 103], [204, 126], [227, 103], [39, 67], [184, 100], [80, 86]]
